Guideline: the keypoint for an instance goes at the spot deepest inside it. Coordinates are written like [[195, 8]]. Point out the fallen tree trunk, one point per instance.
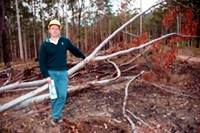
[[22, 98], [25, 100], [23, 85], [30, 101]]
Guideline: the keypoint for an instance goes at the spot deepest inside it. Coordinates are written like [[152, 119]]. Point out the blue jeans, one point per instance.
[[60, 78]]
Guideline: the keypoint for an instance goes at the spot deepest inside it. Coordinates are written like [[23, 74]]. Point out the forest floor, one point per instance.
[[98, 109]]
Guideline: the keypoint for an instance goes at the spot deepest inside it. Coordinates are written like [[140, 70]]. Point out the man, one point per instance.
[[53, 66]]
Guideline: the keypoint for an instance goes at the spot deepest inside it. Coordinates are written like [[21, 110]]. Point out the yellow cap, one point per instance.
[[56, 22]]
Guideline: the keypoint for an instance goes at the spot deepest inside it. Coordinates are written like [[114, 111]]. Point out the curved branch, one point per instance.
[[125, 99], [139, 119], [136, 56]]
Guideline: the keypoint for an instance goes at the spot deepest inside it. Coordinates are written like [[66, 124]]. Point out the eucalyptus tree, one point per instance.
[[153, 23], [4, 36], [195, 6], [191, 7], [42, 19], [12, 27], [76, 8], [19, 32], [126, 11], [103, 15]]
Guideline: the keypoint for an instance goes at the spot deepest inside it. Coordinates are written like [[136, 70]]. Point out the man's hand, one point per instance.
[[86, 60], [48, 80]]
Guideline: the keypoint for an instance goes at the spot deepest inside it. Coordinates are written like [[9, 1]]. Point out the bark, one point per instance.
[[14, 51], [34, 29], [125, 101], [4, 37], [80, 7], [85, 38], [30, 101], [43, 26], [22, 85], [198, 33], [66, 23], [6, 48], [19, 32], [25, 46]]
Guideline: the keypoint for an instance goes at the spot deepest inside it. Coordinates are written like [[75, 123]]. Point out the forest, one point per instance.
[[143, 74]]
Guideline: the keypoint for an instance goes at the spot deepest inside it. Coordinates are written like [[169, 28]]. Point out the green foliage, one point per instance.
[[183, 44]]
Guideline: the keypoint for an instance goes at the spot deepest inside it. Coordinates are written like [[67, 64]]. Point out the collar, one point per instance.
[[49, 40]]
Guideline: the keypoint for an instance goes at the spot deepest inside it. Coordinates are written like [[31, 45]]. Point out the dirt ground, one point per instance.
[[98, 109]]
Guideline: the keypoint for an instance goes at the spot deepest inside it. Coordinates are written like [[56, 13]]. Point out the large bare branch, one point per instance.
[[125, 100], [22, 85], [141, 46], [30, 101], [22, 98]]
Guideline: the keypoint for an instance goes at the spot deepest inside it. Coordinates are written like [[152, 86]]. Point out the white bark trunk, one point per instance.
[[30, 101], [43, 26], [19, 32], [22, 98], [22, 85]]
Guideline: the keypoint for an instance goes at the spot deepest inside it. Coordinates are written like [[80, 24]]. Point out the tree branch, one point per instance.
[[125, 100]]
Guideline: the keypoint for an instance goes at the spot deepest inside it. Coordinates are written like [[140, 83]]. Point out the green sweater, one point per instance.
[[54, 57]]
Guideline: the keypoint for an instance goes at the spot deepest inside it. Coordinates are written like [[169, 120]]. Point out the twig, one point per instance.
[[162, 88], [137, 56], [129, 68], [130, 34], [180, 67], [102, 82], [125, 99], [139, 119], [7, 81]]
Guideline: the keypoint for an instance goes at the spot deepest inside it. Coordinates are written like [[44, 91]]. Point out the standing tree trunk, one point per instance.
[[43, 26], [3, 34], [198, 34], [66, 24], [34, 29], [79, 22], [85, 38], [141, 17], [19, 33], [67, 28], [25, 46], [14, 54]]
